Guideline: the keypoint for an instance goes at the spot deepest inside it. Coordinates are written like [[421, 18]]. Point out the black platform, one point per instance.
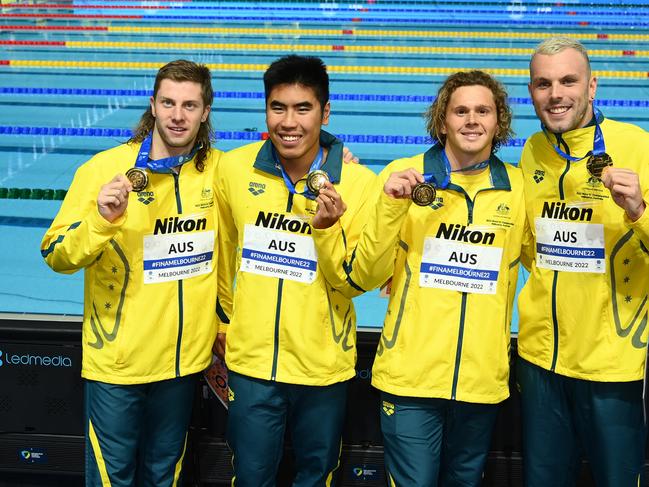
[[41, 411]]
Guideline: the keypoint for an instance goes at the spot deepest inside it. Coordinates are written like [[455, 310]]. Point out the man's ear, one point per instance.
[[325, 113], [206, 113]]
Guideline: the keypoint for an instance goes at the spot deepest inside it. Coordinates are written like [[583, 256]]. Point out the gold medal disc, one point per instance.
[[138, 178], [597, 163], [316, 180], [423, 194]]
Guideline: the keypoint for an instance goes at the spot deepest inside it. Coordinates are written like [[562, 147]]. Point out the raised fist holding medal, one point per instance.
[[330, 206], [112, 199], [624, 185], [409, 184]]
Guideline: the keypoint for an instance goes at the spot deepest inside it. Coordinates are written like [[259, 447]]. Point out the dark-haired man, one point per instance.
[[147, 246], [583, 312], [290, 345]]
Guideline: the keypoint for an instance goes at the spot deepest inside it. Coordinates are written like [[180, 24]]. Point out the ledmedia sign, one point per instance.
[[15, 358]]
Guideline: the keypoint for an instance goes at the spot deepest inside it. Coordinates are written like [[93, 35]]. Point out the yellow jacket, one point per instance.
[[587, 325], [440, 341], [138, 326], [286, 322]]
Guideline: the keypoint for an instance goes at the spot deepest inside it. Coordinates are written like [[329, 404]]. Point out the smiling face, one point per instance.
[[294, 118], [562, 90], [179, 111], [470, 124]]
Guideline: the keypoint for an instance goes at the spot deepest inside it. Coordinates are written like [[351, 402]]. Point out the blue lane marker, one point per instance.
[[258, 95], [496, 21], [220, 135], [530, 10]]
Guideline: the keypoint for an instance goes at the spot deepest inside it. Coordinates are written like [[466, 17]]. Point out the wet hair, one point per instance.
[[308, 71], [179, 71], [436, 114]]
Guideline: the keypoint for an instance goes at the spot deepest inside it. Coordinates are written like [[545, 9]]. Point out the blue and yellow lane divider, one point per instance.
[[272, 47], [344, 33]]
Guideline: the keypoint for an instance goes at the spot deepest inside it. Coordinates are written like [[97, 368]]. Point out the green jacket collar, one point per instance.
[[332, 165], [434, 165]]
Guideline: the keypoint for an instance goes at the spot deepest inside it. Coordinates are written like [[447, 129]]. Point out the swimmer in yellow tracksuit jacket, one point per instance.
[[148, 255], [290, 334], [583, 312], [442, 363]]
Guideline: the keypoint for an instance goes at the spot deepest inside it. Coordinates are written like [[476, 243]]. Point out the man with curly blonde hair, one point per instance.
[[442, 364], [436, 113]]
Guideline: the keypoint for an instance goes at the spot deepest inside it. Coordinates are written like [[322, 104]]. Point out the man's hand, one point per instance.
[[113, 198], [330, 207], [624, 186], [400, 184], [219, 346], [348, 156]]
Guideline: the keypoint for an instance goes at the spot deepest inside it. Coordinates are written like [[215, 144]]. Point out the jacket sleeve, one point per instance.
[[227, 255], [376, 251], [528, 251], [641, 225], [79, 233], [371, 249], [336, 245]]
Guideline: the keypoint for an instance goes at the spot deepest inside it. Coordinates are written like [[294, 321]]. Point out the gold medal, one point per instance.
[[316, 180], [138, 178], [597, 163], [423, 194]]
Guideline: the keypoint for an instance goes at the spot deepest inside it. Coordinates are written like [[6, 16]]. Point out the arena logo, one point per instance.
[[7, 358]]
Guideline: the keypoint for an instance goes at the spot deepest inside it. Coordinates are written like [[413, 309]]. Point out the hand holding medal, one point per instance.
[[330, 206], [112, 199], [402, 184], [624, 185]]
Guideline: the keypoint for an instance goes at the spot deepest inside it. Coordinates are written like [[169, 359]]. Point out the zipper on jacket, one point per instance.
[[555, 321], [458, 352], [278, 309], [566, 149], [460, 335], [179, 207], [180, 326], [555, 277]]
